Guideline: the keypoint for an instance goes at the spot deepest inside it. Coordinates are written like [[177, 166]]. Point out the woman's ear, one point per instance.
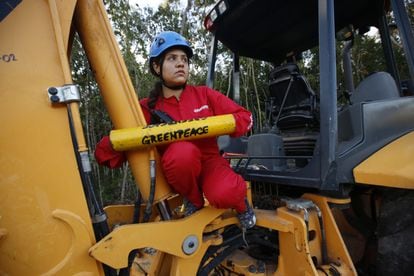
[[156, 67]]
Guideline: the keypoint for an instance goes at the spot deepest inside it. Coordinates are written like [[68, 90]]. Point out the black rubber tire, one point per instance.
[[396, 233]]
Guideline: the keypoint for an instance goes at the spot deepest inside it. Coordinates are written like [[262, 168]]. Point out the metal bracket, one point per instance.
[[305, 205], [64, 94]]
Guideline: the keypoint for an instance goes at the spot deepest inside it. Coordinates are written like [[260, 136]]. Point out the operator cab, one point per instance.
[[306, 142]]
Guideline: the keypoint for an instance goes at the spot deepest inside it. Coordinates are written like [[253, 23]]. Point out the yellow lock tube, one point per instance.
[[153, 135]]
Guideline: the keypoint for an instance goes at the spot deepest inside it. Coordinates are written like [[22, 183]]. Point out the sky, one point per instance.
[[143, 3], [151, 3]]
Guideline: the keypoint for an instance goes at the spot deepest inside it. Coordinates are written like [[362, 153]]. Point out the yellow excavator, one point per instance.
[[332, 187]]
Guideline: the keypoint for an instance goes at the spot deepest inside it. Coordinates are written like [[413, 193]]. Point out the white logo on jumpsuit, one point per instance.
[[196, 110]]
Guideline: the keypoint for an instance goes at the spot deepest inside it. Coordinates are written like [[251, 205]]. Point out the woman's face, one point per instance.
[[174, 68]]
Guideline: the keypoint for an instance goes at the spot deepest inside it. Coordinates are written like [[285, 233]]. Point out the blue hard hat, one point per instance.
[[166, 40]]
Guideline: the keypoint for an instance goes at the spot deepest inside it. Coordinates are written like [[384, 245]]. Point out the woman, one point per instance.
[[195, 168]]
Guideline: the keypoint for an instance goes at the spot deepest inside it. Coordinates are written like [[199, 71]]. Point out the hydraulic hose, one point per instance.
[[218, 254], [147, 213], [150, 202], [323, 236], [137, 208], [96, 212]]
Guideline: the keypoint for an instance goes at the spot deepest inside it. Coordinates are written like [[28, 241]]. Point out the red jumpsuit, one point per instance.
[[196, 168]]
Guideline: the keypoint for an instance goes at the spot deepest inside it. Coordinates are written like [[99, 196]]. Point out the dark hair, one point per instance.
[[154, 94], [157, 89]]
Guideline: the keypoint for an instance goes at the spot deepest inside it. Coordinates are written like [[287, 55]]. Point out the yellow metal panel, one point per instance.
[[166, 236], [335, 244], [117, 91], [44, 222], [392, 166]]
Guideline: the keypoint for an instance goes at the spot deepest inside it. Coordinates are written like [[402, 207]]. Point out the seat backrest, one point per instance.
[[377, 86], [280, 77], [298, 107]]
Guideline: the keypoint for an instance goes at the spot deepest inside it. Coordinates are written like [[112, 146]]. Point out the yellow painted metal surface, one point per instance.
[[336, 247], [116, 87], [167, 236], [45, 227], [151, 135], [295, 246], [392, 166]]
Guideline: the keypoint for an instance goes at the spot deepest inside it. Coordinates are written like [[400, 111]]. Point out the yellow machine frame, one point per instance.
[[45, 228]]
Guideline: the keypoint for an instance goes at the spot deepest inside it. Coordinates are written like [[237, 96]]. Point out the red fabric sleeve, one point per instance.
[[105, 155], [223, 105]]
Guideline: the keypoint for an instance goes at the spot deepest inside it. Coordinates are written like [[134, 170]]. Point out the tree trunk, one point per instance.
[[184, 25]]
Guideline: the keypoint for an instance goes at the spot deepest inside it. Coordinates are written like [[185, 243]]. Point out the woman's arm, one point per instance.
[[221, 105]]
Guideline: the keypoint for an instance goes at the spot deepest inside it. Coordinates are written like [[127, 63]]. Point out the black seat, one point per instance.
[[293, 102], [377, 86]]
